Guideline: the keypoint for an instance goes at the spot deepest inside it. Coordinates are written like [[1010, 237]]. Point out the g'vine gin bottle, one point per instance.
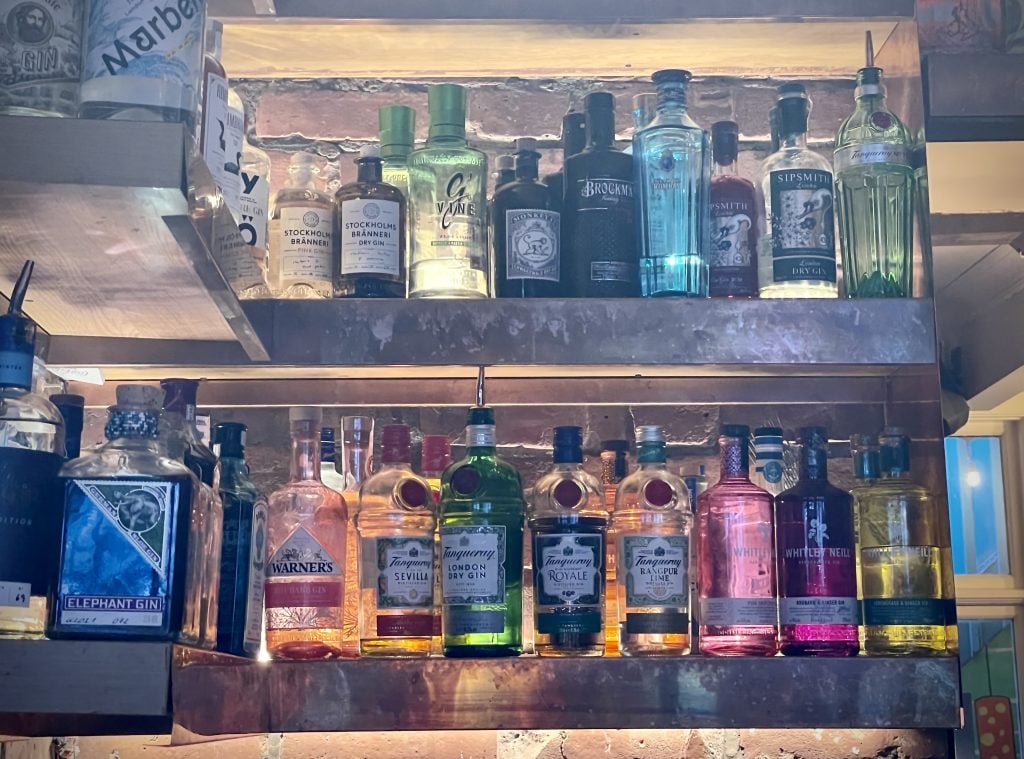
[[614, 468], [40, 57], [481, 527], [797, 186], [735, 220], [396, 550], [397, 130], [568, 523], [736, 555], [900, 555], [652, 534], [816, 559], [244, 549], [306, 557], [875, 194], [302, 235], [124, 546], [673, 163], [448, 194]]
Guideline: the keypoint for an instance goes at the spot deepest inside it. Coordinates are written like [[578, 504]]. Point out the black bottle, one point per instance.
[[599, 214], [574, 139], [525, 230]]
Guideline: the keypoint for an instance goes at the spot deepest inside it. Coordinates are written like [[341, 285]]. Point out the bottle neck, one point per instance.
[[302, 180], [814, 464], [305, 462], [671, 99], [600, 129], [725, 169], [445, 134], [231, 467], [734, 457], [793, 140], [356, 463], [369, 170], [526, 170], [481, 439], [651, 454]]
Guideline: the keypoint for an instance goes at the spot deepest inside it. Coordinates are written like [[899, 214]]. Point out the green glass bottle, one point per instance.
[[397, 129], [481, 526]]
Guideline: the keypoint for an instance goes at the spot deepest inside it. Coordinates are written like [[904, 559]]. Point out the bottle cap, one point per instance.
[[230, 436], [794, 107], [725, 142], [506, 162], [481, 415], [574, 133], [644, 106], [619, 446], [395, 443], [568, 445], [671, 76], [179, 394], [397, 130], [306, 414], [138, 397], [814, 436], [735, 430], [18, 343], [768, 432], [357, 424], [599, 101], [895, 450], [649, 433], [526, 145], [436, 454], [447, 106], [214, 38], [369, 152]]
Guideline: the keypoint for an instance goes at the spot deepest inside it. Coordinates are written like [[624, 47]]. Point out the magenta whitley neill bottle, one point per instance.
[[736, 557], [817, 560]]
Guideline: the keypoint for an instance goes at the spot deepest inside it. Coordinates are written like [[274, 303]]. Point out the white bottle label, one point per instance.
[[215, 132], [818, 610], [874, 152], [567, 571], [257, 566], [300, 555], [473, 564], [234, 139], [370, 233], [402, 571], [532, 244], [656, 568], [803, 226], [254, 205], [305, 244], [729, 612]]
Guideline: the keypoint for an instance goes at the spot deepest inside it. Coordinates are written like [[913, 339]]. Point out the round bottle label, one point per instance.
[[413, 494], [465, 480], [658, 493], [568, 494]]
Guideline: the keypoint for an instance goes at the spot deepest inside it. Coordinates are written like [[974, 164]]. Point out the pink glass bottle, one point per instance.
[[736, 560], [817, 559]]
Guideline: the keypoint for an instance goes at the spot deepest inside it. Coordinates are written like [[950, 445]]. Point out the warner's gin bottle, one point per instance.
[[673, 160], [40, 56], [875, 195], [568, 523], [448, 194], [143, 61], [124, 548], [396, 554], [797, 187]]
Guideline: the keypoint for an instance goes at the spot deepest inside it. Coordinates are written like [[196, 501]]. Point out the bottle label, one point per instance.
[[397, 177], [742, 612], [872, 152], [611, 271], [254, 206], [402, 571], [118, 551], [818, 610], [568, 570], [144, 54], [40, 45], [603, 230], [257, 566], [370, 235], [904, 611], [733, 245], [302, 574], [302, 555], [456, 221], [656, 568], [663, 623], [16, 368], [803, 229], [222, 140], [305, 239], [669, 201], [473, 565], [532, 244], [769, 462]]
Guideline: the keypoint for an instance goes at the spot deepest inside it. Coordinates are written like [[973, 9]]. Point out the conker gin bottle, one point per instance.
[[448, 194], [481, 526], [672, 160], [652, 535], [816, 558], [396, 554], [736, 557], [568, 523], [735, 220], [797, 187], [599, 213]]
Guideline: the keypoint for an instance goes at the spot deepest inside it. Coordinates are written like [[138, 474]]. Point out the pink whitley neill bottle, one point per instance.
[[736, 560], [817, 562]]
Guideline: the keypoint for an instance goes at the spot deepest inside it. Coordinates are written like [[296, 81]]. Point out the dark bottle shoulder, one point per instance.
[[521, 194], [602, 162], [369, 191], [814, 489]]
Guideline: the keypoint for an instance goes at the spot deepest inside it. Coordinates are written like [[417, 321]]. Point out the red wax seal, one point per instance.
[[568, 494], [413, 494], [881, 119], [658, 493], [465, 480]]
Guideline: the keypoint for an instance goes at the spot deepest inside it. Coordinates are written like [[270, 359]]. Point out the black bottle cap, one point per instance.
[[794, 107], [768, 432], [179, 393], [599, 101], [735, 430], [619, 446], [574, 133], [600, 118], [814, 436], [869, 75], [725, 142], [230, 436], [568, 445], [481, 415], [328, 450], [679, 76]]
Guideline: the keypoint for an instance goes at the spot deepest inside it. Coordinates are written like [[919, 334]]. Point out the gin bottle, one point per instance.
[[397, 130], [220, 138], [40, 57], [436, 457], [124, 546], [396, 549], [797, 188], [736, 555], [900, 554], [356, 449], [875, 194], [568, 523], [645, 106], [244, 550], [306, 555], [652, 535], [673, 163], [254, 216], [574, 139], [614, 468], [816, 559], [506, 173], [448, 194], [735, 220], [481, 527], [302, 235]]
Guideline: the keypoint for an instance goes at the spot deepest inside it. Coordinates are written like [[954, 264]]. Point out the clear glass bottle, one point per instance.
[[481, 525], [448, 195], [797, 188], [306, 556], [244, 550], [302, 235], [41, 57], [371, 218], [396, 548], [397, 132], [736, 554], [124, 545], [568, 523], [735, 220], [356, 453], [254, 213], [769, 460], [817, 562], [31, 454], [652, 535], [436, 457], [645, 106], [900, 554], [673, 165], [218, 140], [875, 195], [614, 468]]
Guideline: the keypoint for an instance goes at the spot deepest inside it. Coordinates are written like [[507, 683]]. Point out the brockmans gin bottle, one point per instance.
[[481, 527], [735, 215], [568, 524], [599, 213], [125, 541]]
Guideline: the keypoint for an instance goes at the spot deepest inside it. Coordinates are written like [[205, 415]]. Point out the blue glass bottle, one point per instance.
[[672, 160]]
